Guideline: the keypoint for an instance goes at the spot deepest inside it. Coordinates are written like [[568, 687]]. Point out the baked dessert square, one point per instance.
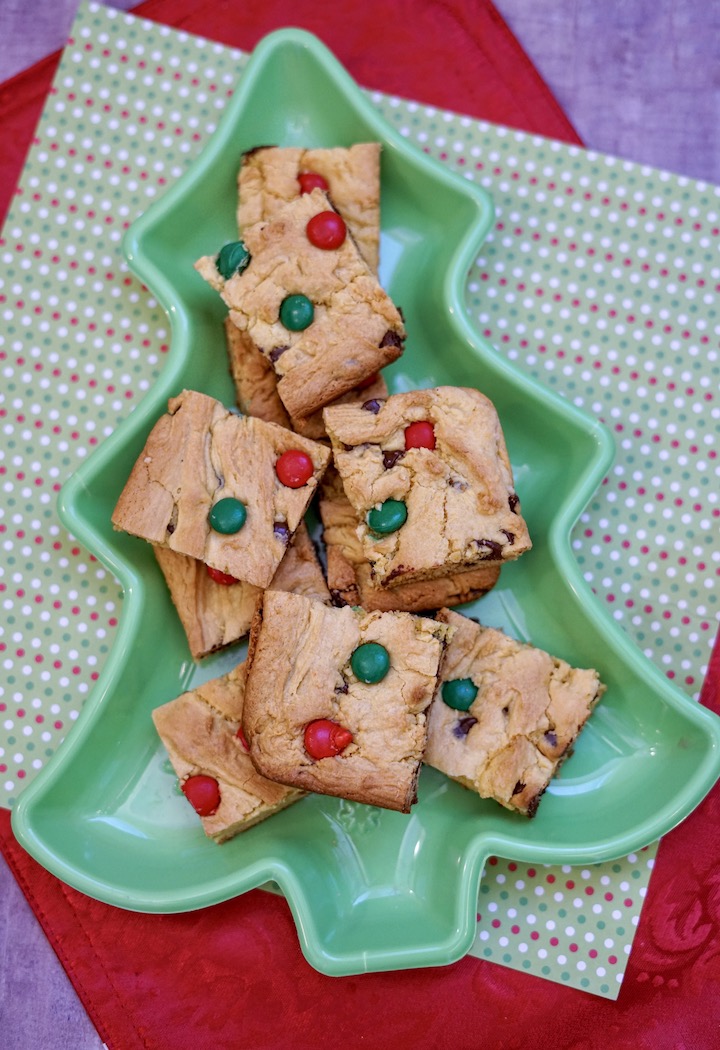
[[202, 736], [349, 575], [256, 387], [301, 291], [335, 699], [217, 610], [226, 489], [271, 176], [506, 714], [427, 472]]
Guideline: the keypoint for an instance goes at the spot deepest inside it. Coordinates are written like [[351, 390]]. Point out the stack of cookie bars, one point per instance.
[[357, 674]]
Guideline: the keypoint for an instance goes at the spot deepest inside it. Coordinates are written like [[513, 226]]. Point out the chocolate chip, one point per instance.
[[170, 528], [391, 339], [510, 536], [493, 546], [391, 458], [534, 803], [520, 786], [281, 531], [336, 598], [463, 726], [458, 484], [394, 573], [513, 501], [341, 688], [277, 351], [348, 448], [373, 405], [551, 739]]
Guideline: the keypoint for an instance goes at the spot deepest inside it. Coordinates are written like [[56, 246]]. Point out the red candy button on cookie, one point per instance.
[[221, 577], [326, 230], [324, 739], [203, 794], [420, 435], [310, 180], [294, 468]]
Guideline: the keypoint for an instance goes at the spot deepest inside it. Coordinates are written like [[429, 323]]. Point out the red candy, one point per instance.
[[420, 435], [310, 180], [326, 230], [324, 739], [221, 577], [367, 381], [241, 737], [294, 468], [203, 794]]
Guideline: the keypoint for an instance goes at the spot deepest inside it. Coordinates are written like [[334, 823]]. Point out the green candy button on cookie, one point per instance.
[[227, 516], [296, 312], [233, 258], [459, 693], [370, 662], [388, 517]]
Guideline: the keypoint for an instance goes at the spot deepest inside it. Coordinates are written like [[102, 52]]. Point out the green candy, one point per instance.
[[370, 662], [232, 258], [227, 516], [388, 517], [296, 312], [459, 693]]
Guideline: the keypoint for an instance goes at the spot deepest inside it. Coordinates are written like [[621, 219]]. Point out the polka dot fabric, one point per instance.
[[600, 279], [81, 341]]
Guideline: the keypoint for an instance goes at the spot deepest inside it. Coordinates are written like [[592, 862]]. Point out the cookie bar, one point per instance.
[[256, 387], [201, 733], [505, 714], [271, 176], [349, 576], [336, 698], [308, 301], [225, 489], [216, 610], [428, 475]]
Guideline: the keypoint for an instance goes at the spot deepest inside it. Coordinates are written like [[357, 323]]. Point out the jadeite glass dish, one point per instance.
[[369, 889]]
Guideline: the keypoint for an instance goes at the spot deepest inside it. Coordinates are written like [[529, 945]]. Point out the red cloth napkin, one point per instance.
[[233, 975]]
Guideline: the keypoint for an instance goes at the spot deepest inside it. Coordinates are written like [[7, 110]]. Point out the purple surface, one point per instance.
[[638, 79]]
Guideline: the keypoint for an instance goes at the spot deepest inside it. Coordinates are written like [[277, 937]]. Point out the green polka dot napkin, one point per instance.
[[600, 279]]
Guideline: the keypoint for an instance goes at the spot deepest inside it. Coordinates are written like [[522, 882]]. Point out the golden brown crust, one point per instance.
[[356, 330], [254, 378], [199, 453], [300, 671], [460, 497], [529, 709], [213, 614], [200, 732], [349, 575], [268, 179]]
